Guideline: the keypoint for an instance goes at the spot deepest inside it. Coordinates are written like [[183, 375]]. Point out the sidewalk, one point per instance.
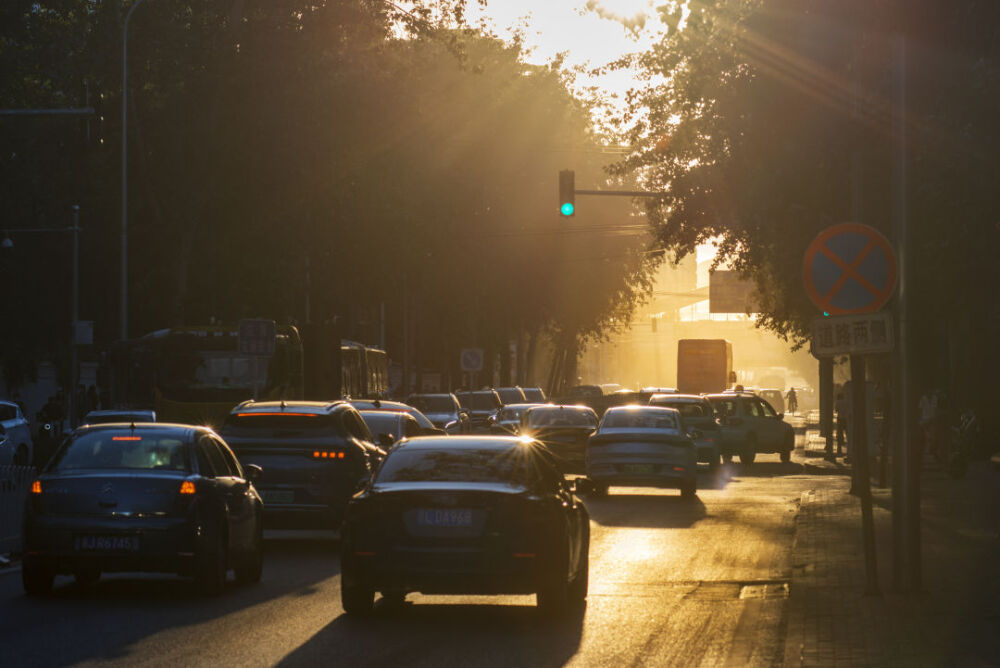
[[955, 621]]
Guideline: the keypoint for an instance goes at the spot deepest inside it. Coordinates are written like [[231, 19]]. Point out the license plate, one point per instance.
[[107, 543], [277, 496], [444, 517], [638, 468]]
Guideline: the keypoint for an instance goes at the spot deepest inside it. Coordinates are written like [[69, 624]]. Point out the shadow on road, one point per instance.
[[761, 469], [121, 610], [625, 509], [432, 634]]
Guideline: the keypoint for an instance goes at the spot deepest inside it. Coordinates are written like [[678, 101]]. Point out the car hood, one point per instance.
[[441, 417]]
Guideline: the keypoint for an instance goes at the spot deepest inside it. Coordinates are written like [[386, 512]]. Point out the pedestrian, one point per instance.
[[793, 401], [93, 399], [841, 408]]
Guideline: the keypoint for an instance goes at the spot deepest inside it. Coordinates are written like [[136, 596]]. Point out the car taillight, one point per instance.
[[328, 454], [36, 487], [187, 487]]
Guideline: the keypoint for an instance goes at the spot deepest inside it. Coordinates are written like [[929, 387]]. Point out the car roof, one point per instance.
[[527, 404], [188, 430], [379, 404], [680, 398], [562, 407], [462, 442], [430, 394], [640, 407], [729, 394], [311, 407]]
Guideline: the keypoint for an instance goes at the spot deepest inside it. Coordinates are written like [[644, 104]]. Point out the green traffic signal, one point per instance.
[[567, 192], [566, 209]]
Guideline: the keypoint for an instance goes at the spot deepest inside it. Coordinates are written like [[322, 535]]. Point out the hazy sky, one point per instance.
[[591, 32]]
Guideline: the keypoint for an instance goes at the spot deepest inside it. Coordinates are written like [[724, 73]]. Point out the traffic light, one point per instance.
[[567, 192]]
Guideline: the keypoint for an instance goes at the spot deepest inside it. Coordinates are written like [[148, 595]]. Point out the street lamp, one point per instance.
[[124, 270], [8, 243]]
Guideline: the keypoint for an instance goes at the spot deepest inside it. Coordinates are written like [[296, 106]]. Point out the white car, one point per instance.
[[15, 436]]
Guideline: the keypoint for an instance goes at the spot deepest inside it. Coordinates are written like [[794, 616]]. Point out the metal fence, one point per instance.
[[15, 483]]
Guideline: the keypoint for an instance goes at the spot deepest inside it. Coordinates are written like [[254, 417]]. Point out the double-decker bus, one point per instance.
[[196, 375]]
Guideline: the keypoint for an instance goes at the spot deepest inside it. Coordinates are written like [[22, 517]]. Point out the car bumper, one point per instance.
[[303, 516], [161, 544], [664, 477]]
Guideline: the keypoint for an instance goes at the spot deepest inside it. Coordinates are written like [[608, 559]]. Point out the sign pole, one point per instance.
[[859, 463]]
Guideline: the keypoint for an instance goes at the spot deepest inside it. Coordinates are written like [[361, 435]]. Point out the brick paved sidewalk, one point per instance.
[[954, 622]]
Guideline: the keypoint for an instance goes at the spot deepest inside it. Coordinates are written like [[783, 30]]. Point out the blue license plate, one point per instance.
[[444, 517], [106, 543]]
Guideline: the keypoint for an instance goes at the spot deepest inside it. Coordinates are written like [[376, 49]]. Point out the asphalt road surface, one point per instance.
[[672, 582]]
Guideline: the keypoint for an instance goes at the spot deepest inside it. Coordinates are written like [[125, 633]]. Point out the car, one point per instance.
[[16, 447], [698, 420], [486, 515], [443, 410], [119, 415], [480, 405], [508, 420], [562, 429], [385, 405], [749, 426], [390, 427], [774, 397], [642, 446], [511, 395], [143, 497], [534, 394], [660, 390], [313, 455]]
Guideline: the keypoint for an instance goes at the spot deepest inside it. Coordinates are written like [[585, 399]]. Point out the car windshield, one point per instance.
[[512, 413], [562, 417], [689, 409], [533, 394], [124, 449], [507, 466], [510, 395], [639, 419], [433, 403], [479, 401]]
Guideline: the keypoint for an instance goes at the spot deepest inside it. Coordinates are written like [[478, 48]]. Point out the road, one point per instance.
[[673, 582]]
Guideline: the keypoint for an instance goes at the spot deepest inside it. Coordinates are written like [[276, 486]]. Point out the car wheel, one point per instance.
[[553, 597], [713, 463], [36, 578], [581, 583], [727, 459], [251, 566], [786, 456], [356, 598], [394, 599], [600, 489], [21, 456], [212, 566], [86, 577], [689, 489], [749, 451]]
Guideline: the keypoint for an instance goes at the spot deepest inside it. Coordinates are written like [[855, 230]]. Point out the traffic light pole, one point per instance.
[[621, 193]]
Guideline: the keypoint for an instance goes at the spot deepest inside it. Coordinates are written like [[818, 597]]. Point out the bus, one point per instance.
[[197, 374], [704, 366]]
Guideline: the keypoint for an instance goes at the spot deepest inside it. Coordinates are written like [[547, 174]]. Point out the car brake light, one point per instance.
[[679, 468], [325, 454], [126, 438], [524, 555], [36, 487], [187, 487]]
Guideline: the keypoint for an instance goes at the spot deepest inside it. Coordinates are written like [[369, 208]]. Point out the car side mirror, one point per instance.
[[781, 416], [252, 472], [386, 440]]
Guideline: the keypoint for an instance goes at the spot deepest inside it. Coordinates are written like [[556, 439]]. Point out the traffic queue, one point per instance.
[[473, 498]]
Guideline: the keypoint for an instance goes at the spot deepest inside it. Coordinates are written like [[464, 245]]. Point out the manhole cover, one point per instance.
[[769, 590]]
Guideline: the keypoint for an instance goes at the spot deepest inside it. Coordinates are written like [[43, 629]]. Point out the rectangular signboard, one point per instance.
[[852, 334]]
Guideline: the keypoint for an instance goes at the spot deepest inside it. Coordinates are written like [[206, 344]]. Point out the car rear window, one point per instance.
[[380, 422], [492, 465], [561, 417], [479, 401], [635, 419], [688, 409], [432, 404], [125, 449]]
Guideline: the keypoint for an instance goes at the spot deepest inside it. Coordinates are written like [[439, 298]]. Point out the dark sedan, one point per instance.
[[143, 497], [313, 454], [564, 430], [466, 515]]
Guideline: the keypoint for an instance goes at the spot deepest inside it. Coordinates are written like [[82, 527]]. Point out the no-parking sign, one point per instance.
[[849, 269]]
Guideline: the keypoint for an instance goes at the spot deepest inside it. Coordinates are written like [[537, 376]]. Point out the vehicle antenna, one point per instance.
[[132, 426], [282, 404], [377, 403]]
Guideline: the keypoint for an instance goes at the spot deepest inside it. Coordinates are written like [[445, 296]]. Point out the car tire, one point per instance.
[[21, 456], [600, 489], [212, 565], [36, 578], [749, 451], [581, 583], [251, 566], [87, 577], [689, 490], [786, 456], [714, 462], [727, 459], [393, 599], [356, 598]]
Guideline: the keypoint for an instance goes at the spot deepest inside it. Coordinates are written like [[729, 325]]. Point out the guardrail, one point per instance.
[[15, 483]]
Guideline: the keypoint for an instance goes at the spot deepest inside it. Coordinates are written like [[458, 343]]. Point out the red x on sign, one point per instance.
[[849, 268]]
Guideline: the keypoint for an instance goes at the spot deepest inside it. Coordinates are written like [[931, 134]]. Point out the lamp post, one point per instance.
[[8, 243], [124, 269]]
